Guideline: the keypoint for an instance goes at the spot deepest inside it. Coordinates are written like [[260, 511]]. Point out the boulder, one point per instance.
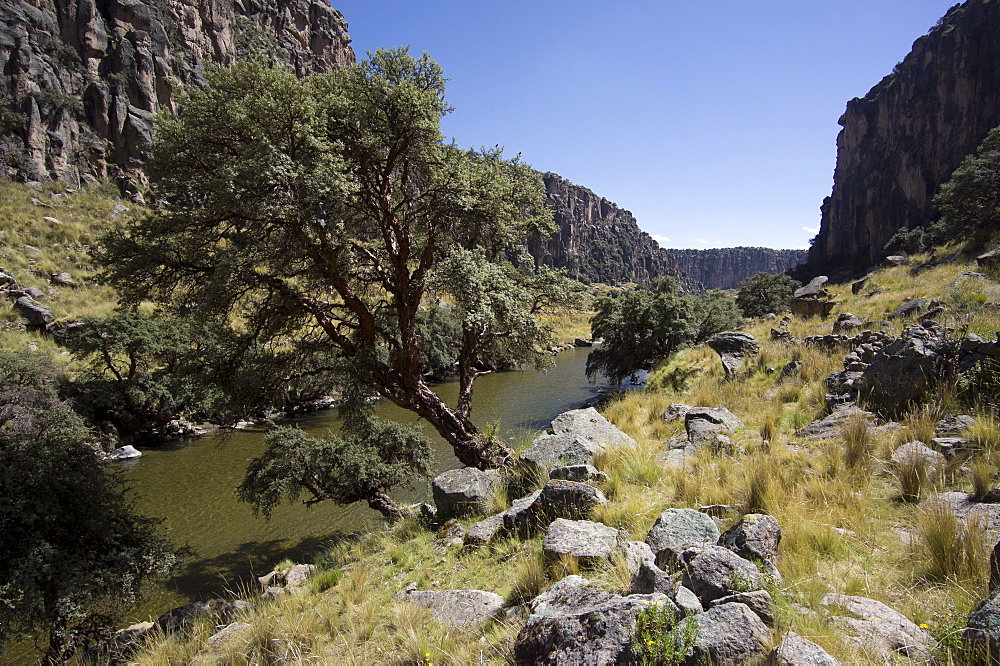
[[62, 278], [877, 629], [455, 608], [227, 634], [965, 508], [575, 438], [755, 537], [982, 632], [909, 309], [846, 321], [953, 426], [917, 453], [649, 579], [676, 530], [483, 532], [687, 601], [790, 369], [580, 342], [901, 374], [713, 572], [858, 285], [573, 623], [582, 539], [675, 412], [635, 553], [589, 424], [463, 490], [829, 426], [814, 289], [793, 650], [569, 499], [182, 617], [123, 453], [727, 634], [522, 519], [704, 425], [579, 473], [733, 347], [759, 601], [35, 314]]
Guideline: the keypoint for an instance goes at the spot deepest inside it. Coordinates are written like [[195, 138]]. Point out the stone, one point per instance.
[[456, 608], [676, 530], [703, 424], [965, 508], [734, 348], [829, 426], [950, 446], [549, 451], [227, 634], [790, 369], [793, 650], [846, 321], [713, 572], [917, 453], [35, 314], [877, 629], [572, 623], [953, 426], [580, 342], [483, 532], [463, 490], [755, 537], [589, 424], [859, 285], [522, 519], [982, 631], [578, 473], [182, 617], [123, 453], [675, 412], [62, 278], [649, 579], [814, 289], [635, 553], [759, 601], [727, 634], [569, 499], [901, 374], [895, 260], [909, 309], [449, 535], [687, 601], [811, 307], [583, 539]]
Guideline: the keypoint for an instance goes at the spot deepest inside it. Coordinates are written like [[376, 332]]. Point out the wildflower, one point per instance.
[[923, 625]]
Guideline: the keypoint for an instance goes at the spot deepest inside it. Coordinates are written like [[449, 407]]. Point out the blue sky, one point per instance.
[[714, 123]]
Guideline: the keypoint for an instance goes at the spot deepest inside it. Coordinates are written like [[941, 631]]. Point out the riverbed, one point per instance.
[[190, 485]]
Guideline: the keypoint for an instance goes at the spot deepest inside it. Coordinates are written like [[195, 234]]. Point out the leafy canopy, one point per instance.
[[314, 218], [765, 292], [970, 201]]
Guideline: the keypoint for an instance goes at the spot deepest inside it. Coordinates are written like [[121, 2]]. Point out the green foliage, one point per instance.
[[314, 217], [660, 638], [763, 293], [714, 312], [970, 201], [368, 458], [639, 327], [73, 556]]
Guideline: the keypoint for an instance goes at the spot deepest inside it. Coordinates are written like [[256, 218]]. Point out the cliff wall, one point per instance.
[[905, 137], [725, 268], [82, 79]]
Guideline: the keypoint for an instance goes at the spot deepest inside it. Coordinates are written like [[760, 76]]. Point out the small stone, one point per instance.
[[675, 530]]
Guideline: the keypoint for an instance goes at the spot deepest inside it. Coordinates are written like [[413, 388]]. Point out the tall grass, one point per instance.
[[952, 550]]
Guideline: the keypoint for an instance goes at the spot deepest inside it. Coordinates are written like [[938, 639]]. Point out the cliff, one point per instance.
[[725, 268], [82, 78], [905, 137], [597, 241]]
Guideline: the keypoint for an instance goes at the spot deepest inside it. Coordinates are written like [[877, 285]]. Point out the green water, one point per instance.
[[191, 485]]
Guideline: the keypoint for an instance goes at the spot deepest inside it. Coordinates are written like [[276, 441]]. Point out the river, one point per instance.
[[191, 485]]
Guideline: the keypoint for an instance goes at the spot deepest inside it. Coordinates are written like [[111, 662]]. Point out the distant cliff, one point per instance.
[[82, 79], [905, 137], [724, 268]]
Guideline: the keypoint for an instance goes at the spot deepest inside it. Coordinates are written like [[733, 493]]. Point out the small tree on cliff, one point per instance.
[[315, 217]]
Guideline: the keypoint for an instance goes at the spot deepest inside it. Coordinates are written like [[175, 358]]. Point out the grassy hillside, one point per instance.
[[850, 521]]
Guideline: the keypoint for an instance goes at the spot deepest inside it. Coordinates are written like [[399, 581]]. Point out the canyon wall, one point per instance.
[[905, 137], [725, 268], [82, 79]]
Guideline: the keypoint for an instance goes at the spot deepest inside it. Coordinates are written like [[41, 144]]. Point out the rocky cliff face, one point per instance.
[[82, 78], [597, 241], [905, 137], [725, 268]]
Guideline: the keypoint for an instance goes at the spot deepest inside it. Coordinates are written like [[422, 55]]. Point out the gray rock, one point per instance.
[[895, 260], [123, 453], [950, 446], [790, 369], [569, 499], [709, 426], [793, 650], [522, 519], [182, 617], [811, 307], [729, 634], [635, 553], [814, 289], [63, 278], [576, 437], [902, 373], [982, 632], [227, 634], [676, 458], [953, 426], [964, 508], [676, 530], [719, 416], [877, 629], [579, 473], [483, 532], [463, 490], [456, 608], [34, 292], [846, 321], [650, 578], [35, 314], [675, 412], [759, 601], [713, 572], [582, 539], [829, 426], [755, 537], [909, 309], [687, 601], [571, 623], [917, 453], [589, 424], [734, 348], [580, 342], [857, 286]]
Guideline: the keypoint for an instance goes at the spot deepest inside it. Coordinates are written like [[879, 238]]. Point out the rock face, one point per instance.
[[83, 78], [905, 137], [726, 267]]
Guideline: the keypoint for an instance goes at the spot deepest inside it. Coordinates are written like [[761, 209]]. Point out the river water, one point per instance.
[[191, 485]]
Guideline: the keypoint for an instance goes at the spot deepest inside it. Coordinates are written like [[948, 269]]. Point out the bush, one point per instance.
[[763, 293], [660, 639]]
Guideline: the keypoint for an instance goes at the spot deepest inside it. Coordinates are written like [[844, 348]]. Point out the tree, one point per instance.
[[313, 218], [713, 312], [639, 327], [368, 458], [73, 556], [763, 293], [970, 201]]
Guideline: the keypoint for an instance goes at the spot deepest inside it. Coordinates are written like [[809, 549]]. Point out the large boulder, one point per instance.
[[759, 601], [676, 530], [726, 634], [575, 438], [793, 650], [815, 288], [829, 427], [35, 314], [811, 307], [901, 374], [982, 632], [455, 608], [914, 454], [463, 490], [846, 321], [569, 499], [582, 539], [711, 427], [909, 309], [755, 537], [573, 623], [522, 519], [734, 348], [877, 629], [650, 578], [578, 473], [713, 572]]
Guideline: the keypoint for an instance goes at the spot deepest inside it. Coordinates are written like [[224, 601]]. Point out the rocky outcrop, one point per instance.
[[82, 78], [905, 137], [726, 267]]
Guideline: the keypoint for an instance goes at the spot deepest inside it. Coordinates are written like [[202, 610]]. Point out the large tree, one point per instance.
[[73, 555], [970, 201], [315, 218]]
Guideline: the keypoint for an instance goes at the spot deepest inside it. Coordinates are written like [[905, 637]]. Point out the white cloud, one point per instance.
[[702, 241], [811, 230], [662, 240]]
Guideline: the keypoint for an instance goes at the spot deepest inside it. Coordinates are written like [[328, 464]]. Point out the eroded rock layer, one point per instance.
[[726, 267]]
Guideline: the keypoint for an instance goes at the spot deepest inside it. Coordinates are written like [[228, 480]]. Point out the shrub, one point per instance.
[[763, 293], [660, 639]]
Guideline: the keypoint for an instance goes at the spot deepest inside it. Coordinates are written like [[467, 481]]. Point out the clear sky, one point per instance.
[[715, 123]]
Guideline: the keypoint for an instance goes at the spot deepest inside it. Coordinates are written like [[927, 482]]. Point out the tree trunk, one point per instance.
[[385, 505]]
